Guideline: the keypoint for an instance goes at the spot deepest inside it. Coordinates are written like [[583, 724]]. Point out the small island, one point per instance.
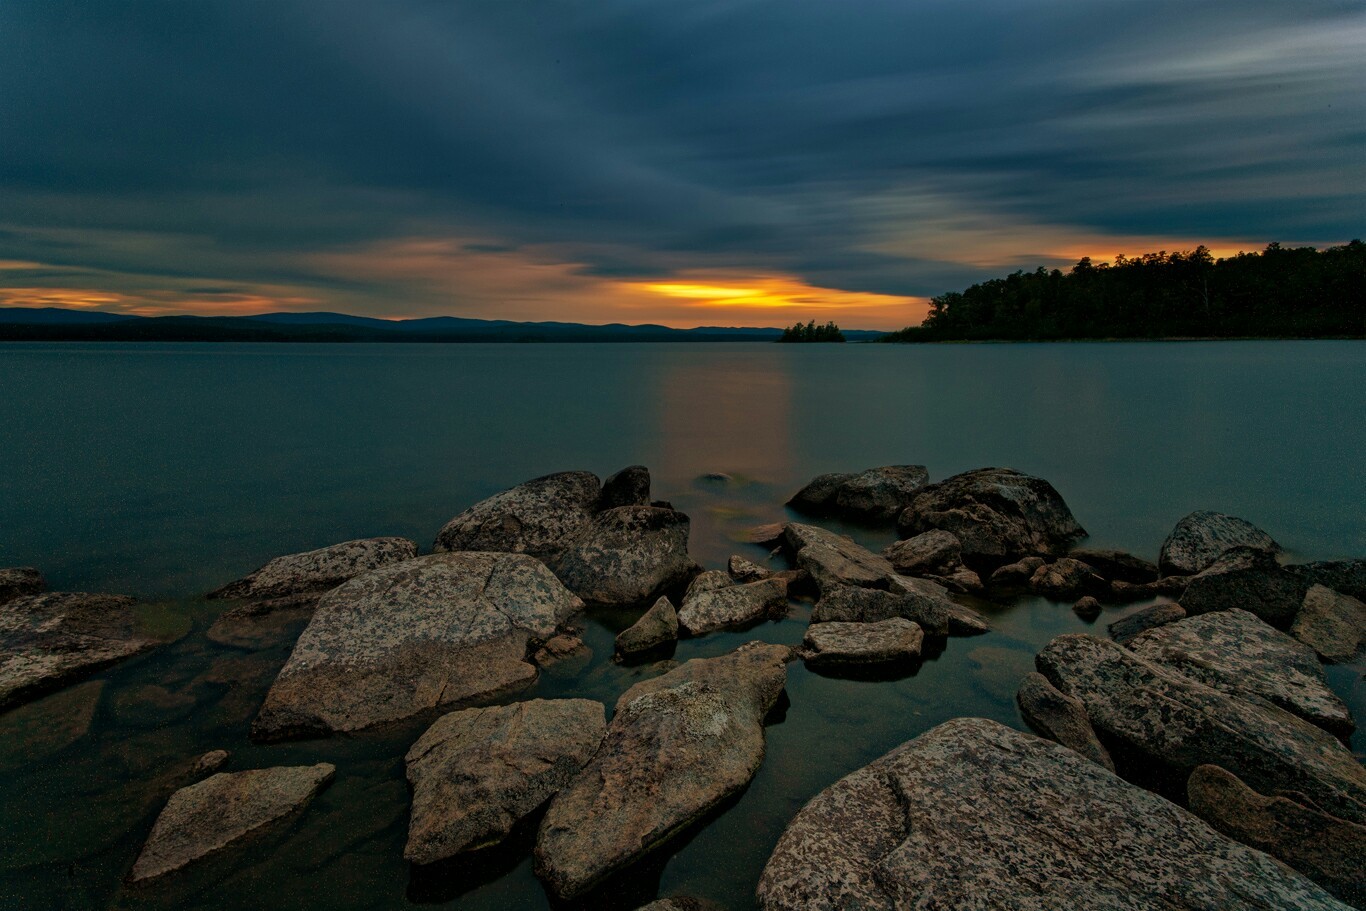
[[810, 332]]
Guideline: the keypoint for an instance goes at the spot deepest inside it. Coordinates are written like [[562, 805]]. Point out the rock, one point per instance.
[[1203, 537], [1331, 623], [413, 637], [258, 624], [1345, 576], [1126, 628], [964, 582], [974, 815], [18, 581], [680, 903], [677, 747], [928, 608], [1016, 574], [1116, 565], [879, 494], [735, 605], [44, 727], [1060, 718], [530, 518], [1166, 587], [1238, 653], [210, 762], [624, 556], [708, 581], [628, 487], [561, 648], [223, 809], [883, 642], [767, 535], [1177, 723], [658, 626], [476, 773], [998, 514], [742, 570], [933, 553], [55, 638], [1065, 578], [835, 560], [819, 495], [1087, 608], [317, 571], [1328, 850], [1251, 580]]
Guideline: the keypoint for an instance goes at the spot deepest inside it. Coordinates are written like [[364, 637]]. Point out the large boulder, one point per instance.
[[658, 626], [1204, 536], [55, 638], [734, 605], [1331, 623], [843, 644], [873, 495], [1328, 850], [530, 518], [935, 552], [17, 581], [1249, 579], [221, 810], [413, 637], [1060, 718], [1238, 653], [476, 773], [317, 571], [1346, 576], [999, 514], [928, 606], [975, 815], [1176, 723], [677, 747], [819, 494], [624, 556], [1116, 565]]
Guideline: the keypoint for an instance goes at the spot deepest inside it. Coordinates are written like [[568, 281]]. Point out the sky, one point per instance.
[[712, 162]]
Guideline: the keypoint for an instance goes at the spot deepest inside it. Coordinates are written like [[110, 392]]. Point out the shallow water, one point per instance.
[[166, 470]]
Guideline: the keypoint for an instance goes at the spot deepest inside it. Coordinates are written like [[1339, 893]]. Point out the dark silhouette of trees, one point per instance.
[[1281, 292], [810, 332]]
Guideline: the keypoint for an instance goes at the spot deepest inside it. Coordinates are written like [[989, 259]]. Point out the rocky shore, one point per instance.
[[1193, 757]]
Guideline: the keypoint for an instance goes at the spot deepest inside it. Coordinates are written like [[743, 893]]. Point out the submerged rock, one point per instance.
[[1116, 565], [52, 639], [1166, 587], [44, 727], [677, 747], [883, 642], [1331, 623], [1087, 608], [1060, 718], [317, 571], [935, 552], [767, 535], [999, 515], [1140, 621], [207, 817], [476, 773], [628, 555], [413, 637], [1178, 723], [742, 570], [1204, 536], [734, 605], [1238, 653], [628, 487], [974, 815], [656, 627], [1247, 579], [17, 581], [927, 605], [1328, 850], [531, 518], [210, 762]]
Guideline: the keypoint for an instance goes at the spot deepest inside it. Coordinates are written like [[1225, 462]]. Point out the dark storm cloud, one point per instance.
[[877, 146]]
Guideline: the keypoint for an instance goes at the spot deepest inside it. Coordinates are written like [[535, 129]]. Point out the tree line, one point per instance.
[[810, 332], [1281, 292]]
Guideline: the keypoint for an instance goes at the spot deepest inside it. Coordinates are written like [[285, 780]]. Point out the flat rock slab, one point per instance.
[[531, 518], [733, 605], [658, 626], [925, 603], [1179, 723], [1202, 537], [624, 556], [1140, 621], [222, 809], [1237, 652], [1060, 718], [973, 815], [1331, 623], [318, 570], [833, 559], [52, 639], [837, 644], [412, 637], [678, 746], [998, 514], [476, 773]]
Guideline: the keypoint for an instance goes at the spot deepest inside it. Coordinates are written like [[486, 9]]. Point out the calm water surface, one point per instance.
[[165, 470]]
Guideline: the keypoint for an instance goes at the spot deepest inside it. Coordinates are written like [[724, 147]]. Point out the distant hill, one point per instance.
[[55, 324]]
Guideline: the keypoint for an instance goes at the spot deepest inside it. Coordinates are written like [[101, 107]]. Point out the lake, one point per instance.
[[165, 470]]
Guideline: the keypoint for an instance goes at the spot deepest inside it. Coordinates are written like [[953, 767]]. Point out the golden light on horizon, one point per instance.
[[770, 292]]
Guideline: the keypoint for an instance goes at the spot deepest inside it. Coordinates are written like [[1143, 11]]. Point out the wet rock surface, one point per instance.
[[1060, 718], [733, 605], [1237, 652], [476, 773], [1180, 723], [975, 815], [623, 556], [998, 514], [1140, 621], [1202, 537], [678, 746], [840, 644], [17, 581], [533, 517], [49, 640], [656, 627], [1331, 623], [413, 637], [317, 571], [221, 810]]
